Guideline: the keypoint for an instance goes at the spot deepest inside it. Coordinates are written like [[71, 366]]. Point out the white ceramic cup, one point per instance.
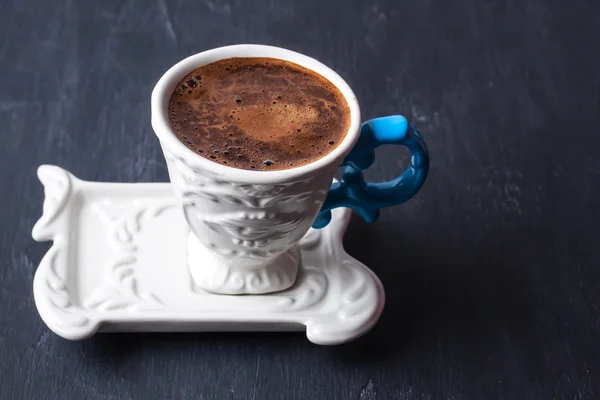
[[245, 224]]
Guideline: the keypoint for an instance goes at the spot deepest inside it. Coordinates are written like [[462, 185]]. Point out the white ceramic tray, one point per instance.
[[118, 263]]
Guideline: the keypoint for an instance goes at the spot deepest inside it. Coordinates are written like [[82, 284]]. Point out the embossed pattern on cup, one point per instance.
[[249, 224]]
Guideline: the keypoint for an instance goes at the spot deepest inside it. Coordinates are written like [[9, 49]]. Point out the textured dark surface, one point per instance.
[[492, 272]]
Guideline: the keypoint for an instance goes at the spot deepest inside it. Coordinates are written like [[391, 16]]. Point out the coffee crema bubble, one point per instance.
[[258, 114]]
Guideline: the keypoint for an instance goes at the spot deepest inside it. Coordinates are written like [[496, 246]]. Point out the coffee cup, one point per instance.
[[244, 224]]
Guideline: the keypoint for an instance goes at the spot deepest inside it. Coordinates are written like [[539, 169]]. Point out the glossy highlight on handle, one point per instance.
[[368, 197]]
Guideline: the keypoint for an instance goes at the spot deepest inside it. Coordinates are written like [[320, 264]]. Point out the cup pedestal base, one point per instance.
[[216, 274], [119, 262]]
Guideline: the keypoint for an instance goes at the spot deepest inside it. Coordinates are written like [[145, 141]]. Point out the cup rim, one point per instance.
[[166, 84]]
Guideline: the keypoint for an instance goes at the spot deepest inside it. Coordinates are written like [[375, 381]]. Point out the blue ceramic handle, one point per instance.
[[367, 197]]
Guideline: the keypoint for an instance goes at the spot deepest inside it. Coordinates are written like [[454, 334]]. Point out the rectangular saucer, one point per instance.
[[118, 263]]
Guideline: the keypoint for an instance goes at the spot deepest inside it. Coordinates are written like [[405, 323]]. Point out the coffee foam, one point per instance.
[[258, 113]]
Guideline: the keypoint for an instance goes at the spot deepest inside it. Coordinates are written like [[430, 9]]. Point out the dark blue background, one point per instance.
[[492, 271]]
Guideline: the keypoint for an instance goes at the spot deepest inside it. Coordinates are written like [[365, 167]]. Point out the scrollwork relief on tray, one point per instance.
[[51, 286], [57, 190], [121, 289], [57, 291]]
